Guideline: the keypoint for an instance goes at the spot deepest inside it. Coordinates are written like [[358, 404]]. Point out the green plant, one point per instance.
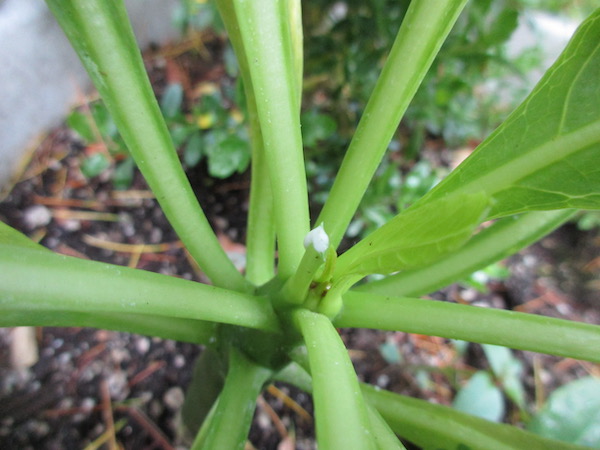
[[210, 131], [281, 324], [346, 48]]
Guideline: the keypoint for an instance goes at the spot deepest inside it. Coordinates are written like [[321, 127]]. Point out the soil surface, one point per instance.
[[93, 387]]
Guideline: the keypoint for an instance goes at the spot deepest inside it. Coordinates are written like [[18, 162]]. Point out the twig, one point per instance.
[[142, 375], [281, 429], [130, 248], [107, 415], [147, 424], [69, 214], [289, 402]]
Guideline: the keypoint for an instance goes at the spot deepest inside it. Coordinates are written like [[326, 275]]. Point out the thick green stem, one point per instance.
[[295, 289], [385, 436], [436, 426], [471, 323], [263, 31], [230, 423], [502, 239], [102, 36], [184, 330], [34, 280], [341, 414], [424, 29], [260, 238]]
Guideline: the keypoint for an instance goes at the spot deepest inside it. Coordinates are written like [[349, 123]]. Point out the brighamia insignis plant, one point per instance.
[[278, 321]]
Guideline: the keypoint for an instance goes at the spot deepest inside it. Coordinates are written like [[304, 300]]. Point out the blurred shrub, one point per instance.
[[345, 53]]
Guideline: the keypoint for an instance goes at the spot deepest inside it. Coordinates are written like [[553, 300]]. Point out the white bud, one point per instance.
[[318, 239]]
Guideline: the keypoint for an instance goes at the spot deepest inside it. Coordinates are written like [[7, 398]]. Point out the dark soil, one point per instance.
[[85, 376]]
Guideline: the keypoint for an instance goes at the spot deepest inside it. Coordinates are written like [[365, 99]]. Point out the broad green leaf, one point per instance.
[[508, 370], [498, 241], [547, 153], [416, 237], [480, 397], [572, 414]]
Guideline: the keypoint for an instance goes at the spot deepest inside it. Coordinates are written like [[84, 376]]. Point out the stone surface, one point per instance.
[[41, 76]]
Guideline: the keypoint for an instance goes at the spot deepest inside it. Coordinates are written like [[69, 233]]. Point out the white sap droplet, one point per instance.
[[318, 239]]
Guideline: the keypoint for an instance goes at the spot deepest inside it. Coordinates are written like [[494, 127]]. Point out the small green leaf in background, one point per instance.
[[104, 121], [172, 100], [420, 180], [123, 174], [501, 29], [417, 236], [192, 152], [229, 155], [481, 397], [230, 61], [316, 127], [479, 279], [80, 123], [389, 352], [571, 414], [508, 370], [588, 220], [94, 165], [181, 133]]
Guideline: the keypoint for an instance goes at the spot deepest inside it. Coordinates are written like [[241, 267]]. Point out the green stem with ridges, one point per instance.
[[471, 323], [435, 426], [273, 80], [385, 436], [232, 416], [424, 29], [102, 36], [260, 236], [296, 287], [502, 239], [341, 416], [183, 330], [33, 280]]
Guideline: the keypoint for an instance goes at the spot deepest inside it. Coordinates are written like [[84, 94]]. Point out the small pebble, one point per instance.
[[179, 361], [88, 403], [117, 385], [383, 380], [263, 420], [142, 345], [155, 409], [38, 428], [174, 398], [37, 216]]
